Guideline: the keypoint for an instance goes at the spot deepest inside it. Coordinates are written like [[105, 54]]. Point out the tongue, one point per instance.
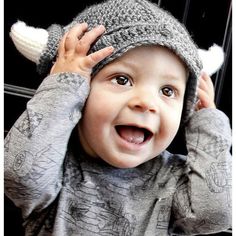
[[131, 134]]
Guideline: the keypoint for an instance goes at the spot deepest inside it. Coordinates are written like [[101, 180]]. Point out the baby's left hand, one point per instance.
[[205, 92]]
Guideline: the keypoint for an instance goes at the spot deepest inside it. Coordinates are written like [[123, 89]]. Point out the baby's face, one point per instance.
[[134, 108]]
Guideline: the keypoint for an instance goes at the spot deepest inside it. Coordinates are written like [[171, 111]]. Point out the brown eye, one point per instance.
[[122, 80], [168, 92]]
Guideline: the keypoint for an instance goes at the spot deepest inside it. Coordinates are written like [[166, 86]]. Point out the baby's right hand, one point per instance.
[[73, 50]]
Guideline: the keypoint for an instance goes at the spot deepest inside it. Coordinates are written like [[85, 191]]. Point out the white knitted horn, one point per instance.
[[29, 41], [212, 59]]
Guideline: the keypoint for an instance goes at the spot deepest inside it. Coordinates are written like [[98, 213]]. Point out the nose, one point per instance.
[[143, 102]]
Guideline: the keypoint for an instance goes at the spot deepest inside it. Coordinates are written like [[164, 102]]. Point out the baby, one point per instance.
[[88, 156]]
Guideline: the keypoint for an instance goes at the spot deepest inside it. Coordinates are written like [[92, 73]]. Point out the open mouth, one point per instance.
[[133, 134]]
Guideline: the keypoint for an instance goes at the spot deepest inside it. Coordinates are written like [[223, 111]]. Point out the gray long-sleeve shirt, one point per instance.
[[65, 192]]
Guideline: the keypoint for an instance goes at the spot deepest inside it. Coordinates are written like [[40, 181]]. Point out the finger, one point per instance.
[[202, 84], [74, 34], [202, 95], [93, 59], [61, 47], [205, 76], [89, 38], [207, 79], [205, 100], [206, 84]]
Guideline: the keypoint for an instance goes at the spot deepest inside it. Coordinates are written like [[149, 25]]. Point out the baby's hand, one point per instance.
[[206, 92], [73, 50]]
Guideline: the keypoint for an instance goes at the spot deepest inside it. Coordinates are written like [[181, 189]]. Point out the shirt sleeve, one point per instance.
[[36, 145], [202, 202]]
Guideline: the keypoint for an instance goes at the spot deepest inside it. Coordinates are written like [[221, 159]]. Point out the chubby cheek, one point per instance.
[[97, 117], [168, 130], [98, 109]]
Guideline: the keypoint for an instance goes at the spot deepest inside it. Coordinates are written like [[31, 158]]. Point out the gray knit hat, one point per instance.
[[132, 23]]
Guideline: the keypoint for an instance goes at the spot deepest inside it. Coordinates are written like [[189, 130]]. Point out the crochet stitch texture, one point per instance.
[[132, 23]]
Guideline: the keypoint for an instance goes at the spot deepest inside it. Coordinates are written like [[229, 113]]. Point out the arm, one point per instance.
[[202, 202], [36, 145]]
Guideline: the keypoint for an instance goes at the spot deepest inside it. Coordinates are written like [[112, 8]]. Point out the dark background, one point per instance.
[[207, 21]]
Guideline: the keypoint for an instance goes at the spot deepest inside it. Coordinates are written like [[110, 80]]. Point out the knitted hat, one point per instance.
[[132, 23]]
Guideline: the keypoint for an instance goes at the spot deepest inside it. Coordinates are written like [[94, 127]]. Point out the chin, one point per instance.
[[125, 163]]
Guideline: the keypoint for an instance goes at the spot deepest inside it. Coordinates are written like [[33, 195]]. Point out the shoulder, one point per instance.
[[173, 159]]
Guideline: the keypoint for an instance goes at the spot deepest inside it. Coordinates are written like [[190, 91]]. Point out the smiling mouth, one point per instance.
[[133, 134]]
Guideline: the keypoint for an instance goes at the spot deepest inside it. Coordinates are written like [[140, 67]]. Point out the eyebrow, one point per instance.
[[128, 64], [131, 65], [173, 77]]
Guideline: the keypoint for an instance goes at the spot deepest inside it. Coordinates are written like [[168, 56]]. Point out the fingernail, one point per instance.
[[204, 73], [101, 27], [111, 48], [84, 24]]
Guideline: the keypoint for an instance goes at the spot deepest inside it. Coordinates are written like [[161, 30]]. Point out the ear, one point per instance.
[[212, 59], [29, 41]]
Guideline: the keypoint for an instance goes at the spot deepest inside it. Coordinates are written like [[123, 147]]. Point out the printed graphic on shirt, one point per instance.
[[213, 144], [216, 146], [98, 218], [163, 216], [31, 168], [69, 79], [202, 225], [29, 122], [218, 178], [23, 162], [194, 144], [177, 170], [181, 202], [109, 180], [219, 222], [99, 198]]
